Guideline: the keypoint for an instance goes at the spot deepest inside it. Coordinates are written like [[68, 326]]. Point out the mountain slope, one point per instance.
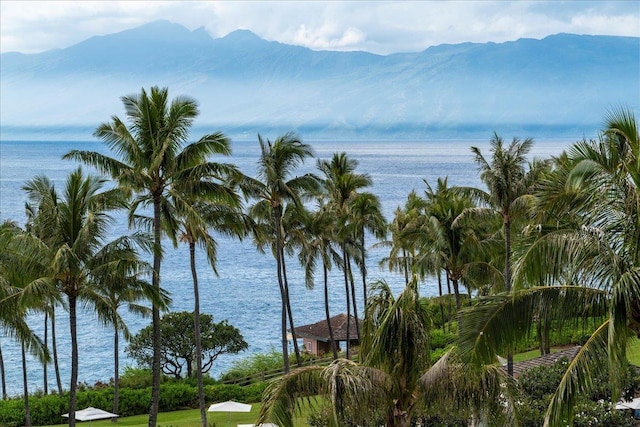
[[246, 85]]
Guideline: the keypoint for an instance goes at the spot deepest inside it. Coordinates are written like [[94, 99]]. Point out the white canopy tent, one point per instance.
[[230, 406], [91, 413]]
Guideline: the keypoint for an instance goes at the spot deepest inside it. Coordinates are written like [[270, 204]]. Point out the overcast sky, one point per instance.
[[378, 27]]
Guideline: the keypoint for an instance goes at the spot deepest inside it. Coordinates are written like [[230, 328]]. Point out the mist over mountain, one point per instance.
[[561, 85]]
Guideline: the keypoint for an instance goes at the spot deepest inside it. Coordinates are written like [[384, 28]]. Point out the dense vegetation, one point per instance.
[[547, 243]]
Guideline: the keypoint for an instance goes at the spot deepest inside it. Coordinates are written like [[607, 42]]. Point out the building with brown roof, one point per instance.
[[316, 339]]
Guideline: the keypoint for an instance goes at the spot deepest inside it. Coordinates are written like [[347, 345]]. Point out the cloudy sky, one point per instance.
[[378, 26]]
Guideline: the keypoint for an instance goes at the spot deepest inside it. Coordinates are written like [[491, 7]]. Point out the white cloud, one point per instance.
[[380, 27]]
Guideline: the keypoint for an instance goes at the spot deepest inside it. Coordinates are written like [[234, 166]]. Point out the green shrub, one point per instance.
[[12, 413], [174, 397], [136, 378]]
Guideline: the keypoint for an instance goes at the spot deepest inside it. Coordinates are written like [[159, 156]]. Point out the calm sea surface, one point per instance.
[[245, 291]]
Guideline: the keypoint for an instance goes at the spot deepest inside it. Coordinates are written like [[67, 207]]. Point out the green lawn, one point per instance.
[[190, 418]]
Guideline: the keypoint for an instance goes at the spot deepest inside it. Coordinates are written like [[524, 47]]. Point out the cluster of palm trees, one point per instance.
[[547, 238], [172, 190], [548, 241]]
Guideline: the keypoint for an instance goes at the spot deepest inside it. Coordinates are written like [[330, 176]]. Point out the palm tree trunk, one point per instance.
[[196, 329], [74, 360], [507, 279], [283, 294], [3, 377], [25, 385], [346, 290], [155, 314], [296, 348], [440, 294], [405, 261], [353, 298], [56, 366], [45, 384], [364, 270], [326, 311], [116, 373], [456, 290]]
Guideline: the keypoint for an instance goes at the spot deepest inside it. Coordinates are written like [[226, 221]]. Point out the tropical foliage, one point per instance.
[[396, 378], [583, 262], [179, 344]]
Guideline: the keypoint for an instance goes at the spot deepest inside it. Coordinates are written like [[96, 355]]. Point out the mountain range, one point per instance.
[[561, 85]]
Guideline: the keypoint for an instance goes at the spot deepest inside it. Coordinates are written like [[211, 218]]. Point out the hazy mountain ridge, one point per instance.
[[245, 84]]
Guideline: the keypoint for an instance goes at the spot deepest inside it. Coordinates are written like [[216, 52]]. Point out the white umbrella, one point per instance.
[[90, 413], [230, 406], [634, 404]]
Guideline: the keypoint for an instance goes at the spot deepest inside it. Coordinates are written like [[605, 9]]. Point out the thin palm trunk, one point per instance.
[[196, 329], [353, 297], [507, 279], [74, 360], [155, 314], [364, 270], [405, 261], [346, 290], [296, 348], [456, 290], [440, 294], [326, 311], [283, 294], [25, 385], [56, 366], [45, 384], [3, 377], [116, 373]]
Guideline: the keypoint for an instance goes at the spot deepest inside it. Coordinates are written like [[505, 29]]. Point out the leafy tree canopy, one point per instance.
[[178, 350]]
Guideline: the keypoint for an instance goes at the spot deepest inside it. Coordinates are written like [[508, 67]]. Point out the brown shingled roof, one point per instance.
[[546, 360], [320, 331]]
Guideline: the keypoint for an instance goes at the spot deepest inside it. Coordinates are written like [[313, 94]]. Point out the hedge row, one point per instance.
[[47, 410]]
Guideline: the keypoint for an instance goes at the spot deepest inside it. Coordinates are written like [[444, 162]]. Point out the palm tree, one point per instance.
[[342, 184], [403, 241], [509, 190], [367, 216], [396, 380], [153, 155], [585, 259], [78, 256], [314, 238], [123, 290], [274, 188], [205, 202], [17, 269], [449, 243]]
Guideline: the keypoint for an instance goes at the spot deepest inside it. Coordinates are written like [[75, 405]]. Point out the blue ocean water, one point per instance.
[[245, 292]]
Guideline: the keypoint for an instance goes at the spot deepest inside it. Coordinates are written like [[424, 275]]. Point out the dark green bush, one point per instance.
[[174, 397], [46, 410]]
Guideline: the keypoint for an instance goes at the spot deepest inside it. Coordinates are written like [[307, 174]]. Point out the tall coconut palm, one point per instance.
[[396, 380], [124, 290], [273, 188], [153, 153], [367, 217], [585, 258], [79, 254], [17, 269], [447, 242], [403, 241], [509, 178], [314, 239], [50, 304], [206, 202], [342, 185]]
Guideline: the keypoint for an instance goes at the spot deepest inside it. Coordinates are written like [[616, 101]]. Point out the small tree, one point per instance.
[[178, 349]]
